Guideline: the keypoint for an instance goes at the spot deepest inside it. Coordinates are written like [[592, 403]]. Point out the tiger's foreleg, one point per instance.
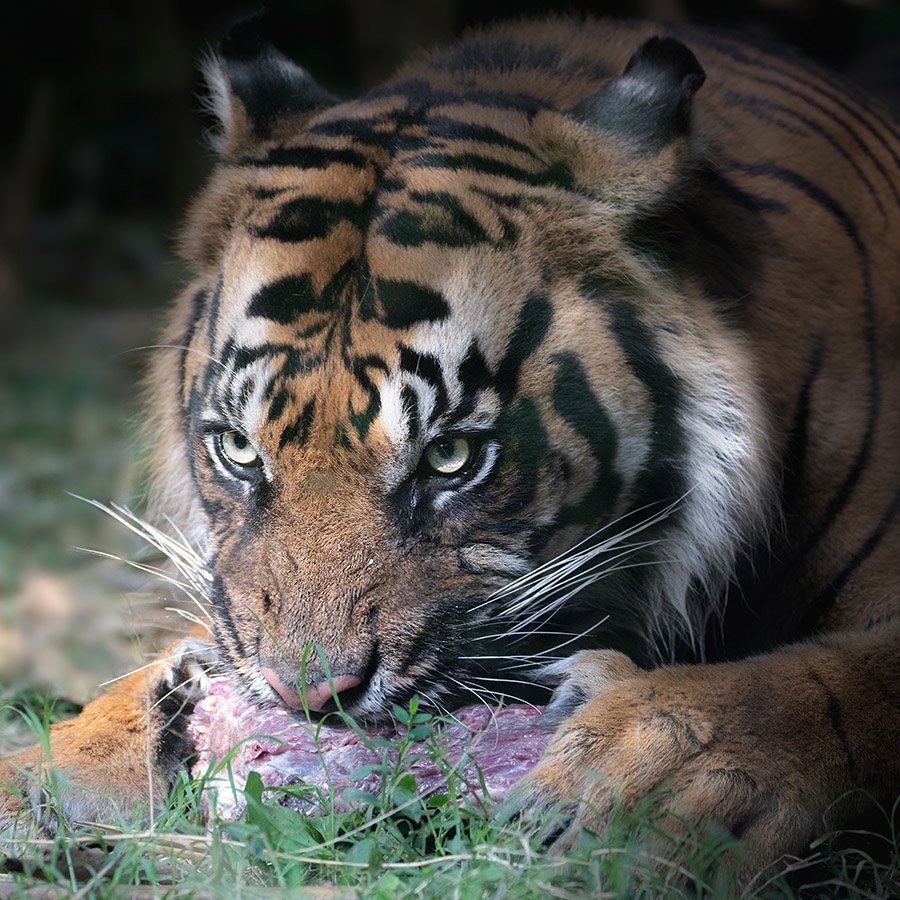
[[777, 749], [120, 754]]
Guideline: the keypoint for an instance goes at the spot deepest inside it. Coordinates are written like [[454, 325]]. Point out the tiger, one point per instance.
[[567, 355]]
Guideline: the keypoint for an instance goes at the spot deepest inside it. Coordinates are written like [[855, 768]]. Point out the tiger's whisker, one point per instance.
[[472, 690], [581, 560], [187, 614], [142, 567], [547, 612], [571, 553], [182, 555], [500, 696], [186, 349], [148, 665]]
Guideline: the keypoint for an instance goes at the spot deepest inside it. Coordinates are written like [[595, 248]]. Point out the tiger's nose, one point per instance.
[[316, 697]]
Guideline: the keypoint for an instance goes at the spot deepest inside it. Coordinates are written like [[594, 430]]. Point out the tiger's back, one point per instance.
[[821, 165]]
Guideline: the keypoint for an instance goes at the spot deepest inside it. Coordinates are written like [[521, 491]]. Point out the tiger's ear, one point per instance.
[[632, 140], [649, 103], [256, 92]]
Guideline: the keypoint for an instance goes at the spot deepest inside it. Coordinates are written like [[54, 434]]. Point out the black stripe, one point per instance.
[[715, 179], [308, 158], [827, 597], [473, 372], [736, 53], [198, 306], [214, 372], [212, 508], [447, 222], [427, 367], [557, 175], [849, 129], [276, 407], [411, 409], [525, 442], [835, 720], [224, 651], [760, 104], [247, 389], [575, 400], [820, 80], [361, 420], [269, 193], [361, 131], [762, 108], [309, 218], [663, 478], [286, 299], [797, 446], [405, 303], [462, 410], [298, 431], [172, 709], [532, 325], [212, 323], [512, 200], [816, 193], [455, 130], [220, 603], [298, 360]]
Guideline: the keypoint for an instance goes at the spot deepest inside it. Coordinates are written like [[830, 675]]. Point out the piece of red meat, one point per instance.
[[504, 743]]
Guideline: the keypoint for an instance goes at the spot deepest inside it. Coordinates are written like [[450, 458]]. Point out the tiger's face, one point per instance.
[[435, 411]]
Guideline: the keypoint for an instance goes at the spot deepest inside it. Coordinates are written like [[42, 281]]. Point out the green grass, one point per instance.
[[397, 844]]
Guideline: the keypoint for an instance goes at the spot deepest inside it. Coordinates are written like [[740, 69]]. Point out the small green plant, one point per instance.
[[397, 843]]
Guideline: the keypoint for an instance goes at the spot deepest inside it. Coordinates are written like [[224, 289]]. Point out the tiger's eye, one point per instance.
[[447, 456], [237, 449]]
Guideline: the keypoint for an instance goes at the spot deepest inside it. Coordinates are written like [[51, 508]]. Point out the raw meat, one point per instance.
[[503, 743]]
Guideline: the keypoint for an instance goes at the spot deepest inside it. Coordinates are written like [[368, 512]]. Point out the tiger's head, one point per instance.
[[429, 404]]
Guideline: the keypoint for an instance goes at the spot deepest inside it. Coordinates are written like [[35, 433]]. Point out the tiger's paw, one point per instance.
[[625, 735], [186, 670], [118, 757]]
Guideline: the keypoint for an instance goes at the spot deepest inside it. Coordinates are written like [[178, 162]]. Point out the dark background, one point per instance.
[[101, 147]]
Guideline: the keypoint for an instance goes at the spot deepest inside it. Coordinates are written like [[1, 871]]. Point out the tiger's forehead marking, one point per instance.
[[380, 270]]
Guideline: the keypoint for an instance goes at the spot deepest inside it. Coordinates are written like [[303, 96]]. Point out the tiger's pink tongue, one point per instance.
[[317, 696]]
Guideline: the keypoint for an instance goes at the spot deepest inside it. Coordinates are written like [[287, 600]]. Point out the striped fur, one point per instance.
[[665, 313]]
